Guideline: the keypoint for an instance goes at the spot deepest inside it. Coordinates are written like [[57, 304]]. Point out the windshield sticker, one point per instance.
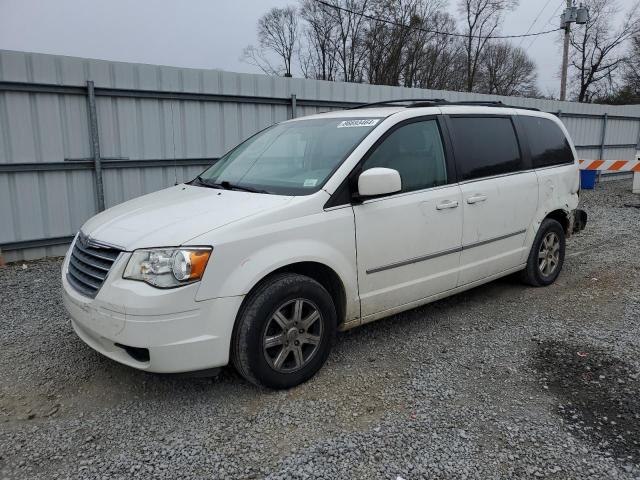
[[366, 122], [310, 182]]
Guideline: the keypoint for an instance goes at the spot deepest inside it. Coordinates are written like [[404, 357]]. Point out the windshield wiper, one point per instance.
[[226, 185], [230, 186], [205, 183]]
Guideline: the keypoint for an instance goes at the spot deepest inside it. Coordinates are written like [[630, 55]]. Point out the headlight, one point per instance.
[[168, 267]]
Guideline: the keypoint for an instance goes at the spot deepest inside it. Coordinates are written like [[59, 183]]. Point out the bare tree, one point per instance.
[[631, 87], [277, 34], [434, 60], [260, 58], [482, 21], [598, 50], [396, 42], [318, 56], [348, 42], [389, 30], [507, 70]]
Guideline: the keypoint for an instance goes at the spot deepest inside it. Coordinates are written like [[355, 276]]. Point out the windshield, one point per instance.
[[292, 158]]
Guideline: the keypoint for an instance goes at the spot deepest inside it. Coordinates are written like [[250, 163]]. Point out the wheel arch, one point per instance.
[[563, 218], [321, 273]]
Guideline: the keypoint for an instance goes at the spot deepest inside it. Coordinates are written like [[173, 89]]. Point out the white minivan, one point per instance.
[[320, 224]]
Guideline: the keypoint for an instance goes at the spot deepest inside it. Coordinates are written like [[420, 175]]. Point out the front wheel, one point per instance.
[[284, 331], [547, 255]]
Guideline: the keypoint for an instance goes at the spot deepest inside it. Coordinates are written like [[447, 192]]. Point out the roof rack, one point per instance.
[[487, 103], [392, 103], [436, 102]]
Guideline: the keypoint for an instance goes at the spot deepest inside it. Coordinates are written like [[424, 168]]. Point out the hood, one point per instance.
[[173, 216]]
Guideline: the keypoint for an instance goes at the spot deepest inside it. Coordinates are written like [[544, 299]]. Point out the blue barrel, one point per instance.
[[588, 179]]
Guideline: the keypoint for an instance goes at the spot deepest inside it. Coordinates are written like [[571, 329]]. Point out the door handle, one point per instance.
[[479, 197], [447, 204]]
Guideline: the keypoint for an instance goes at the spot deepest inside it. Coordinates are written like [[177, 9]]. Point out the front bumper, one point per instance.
[[151, 329]]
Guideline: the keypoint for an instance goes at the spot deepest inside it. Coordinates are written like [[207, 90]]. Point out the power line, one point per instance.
[[535, 20], [426, 30], [562, 3]]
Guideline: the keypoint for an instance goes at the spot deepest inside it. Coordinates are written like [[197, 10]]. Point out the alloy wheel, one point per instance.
[[292, 335], [549, 254]]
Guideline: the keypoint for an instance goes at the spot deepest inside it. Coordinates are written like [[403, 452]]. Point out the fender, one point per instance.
[[257, 264]]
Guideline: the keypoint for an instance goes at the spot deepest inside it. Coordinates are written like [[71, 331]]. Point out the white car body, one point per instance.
[[390, 254]]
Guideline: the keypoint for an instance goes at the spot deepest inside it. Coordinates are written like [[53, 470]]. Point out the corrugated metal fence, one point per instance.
[[77, 134]]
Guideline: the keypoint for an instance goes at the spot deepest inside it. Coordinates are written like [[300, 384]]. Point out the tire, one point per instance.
[[537, 272], [268, 346]]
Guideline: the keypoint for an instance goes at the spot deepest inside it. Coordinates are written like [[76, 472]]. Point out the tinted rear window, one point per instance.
[[547, 142], [485, 146]]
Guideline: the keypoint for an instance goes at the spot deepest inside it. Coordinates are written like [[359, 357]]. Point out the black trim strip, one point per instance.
[[414, 260], [496, 239], [617, 145], [442, 253]]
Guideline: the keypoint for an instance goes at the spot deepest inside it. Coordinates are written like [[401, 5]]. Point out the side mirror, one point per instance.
[[379, 181]]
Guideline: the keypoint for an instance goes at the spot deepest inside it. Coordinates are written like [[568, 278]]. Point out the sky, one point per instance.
[[209, 33]]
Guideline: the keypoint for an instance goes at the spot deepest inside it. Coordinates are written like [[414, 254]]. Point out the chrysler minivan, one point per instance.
[[321, 224]]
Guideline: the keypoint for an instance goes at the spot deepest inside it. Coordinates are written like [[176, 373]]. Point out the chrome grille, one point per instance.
[[89, 265]]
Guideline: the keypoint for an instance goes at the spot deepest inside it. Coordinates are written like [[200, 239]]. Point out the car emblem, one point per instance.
[[87, 241], [82, 239]]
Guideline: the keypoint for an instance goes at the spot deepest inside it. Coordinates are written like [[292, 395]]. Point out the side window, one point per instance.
[[485, 146], [547, 142], [415, 151]]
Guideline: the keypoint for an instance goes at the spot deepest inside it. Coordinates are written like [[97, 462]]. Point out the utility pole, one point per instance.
[[579, 15], [565, 57]]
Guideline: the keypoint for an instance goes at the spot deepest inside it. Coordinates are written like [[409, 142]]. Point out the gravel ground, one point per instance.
[[502, 381]]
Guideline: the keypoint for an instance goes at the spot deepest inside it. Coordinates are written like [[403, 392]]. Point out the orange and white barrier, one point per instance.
[[611, 165], [616, 166]]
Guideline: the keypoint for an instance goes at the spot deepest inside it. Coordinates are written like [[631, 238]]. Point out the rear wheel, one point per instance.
[[547, 255], [284, 332]]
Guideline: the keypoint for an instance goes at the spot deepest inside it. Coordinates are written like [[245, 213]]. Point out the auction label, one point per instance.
[[366, 122]]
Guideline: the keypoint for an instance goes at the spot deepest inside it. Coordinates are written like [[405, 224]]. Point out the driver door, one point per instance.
[[409, 243]]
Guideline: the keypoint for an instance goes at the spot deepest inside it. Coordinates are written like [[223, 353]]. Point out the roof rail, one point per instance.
[[487, 103], [482, 103], [410, 101], [435, 102]]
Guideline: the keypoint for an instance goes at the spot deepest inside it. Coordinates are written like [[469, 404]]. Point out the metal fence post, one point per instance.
[[95, 144], [635, 185], [605, 119], [294, 107]]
